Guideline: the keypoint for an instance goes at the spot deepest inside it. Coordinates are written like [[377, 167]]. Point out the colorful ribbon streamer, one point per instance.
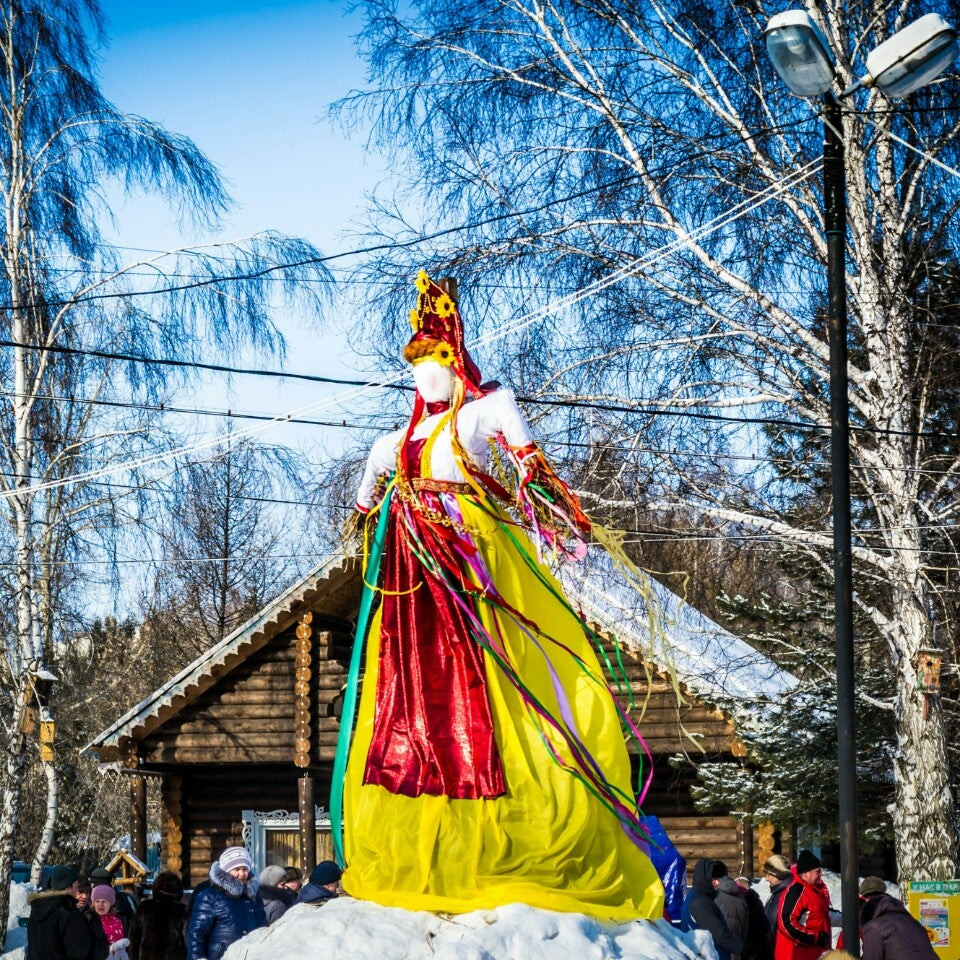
[[371, 574]]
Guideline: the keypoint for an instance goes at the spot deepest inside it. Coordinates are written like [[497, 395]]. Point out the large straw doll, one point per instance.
[[488, 764]]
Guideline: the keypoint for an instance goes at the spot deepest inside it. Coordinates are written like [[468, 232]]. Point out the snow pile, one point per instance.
[[348, 929], [17, 935]]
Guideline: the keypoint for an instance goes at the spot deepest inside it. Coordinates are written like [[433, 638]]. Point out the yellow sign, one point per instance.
[[936, 904]]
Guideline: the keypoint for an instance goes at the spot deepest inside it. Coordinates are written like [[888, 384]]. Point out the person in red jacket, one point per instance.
[[803, 920]]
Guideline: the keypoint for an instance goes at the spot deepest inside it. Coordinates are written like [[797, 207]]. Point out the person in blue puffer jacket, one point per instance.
[[226, 910]]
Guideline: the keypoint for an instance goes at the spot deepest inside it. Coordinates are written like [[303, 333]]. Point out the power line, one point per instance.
[[395, 425], [329, 258]]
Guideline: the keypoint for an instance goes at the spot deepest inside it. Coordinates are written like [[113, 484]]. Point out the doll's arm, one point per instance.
[[380, 462], [550, 506]]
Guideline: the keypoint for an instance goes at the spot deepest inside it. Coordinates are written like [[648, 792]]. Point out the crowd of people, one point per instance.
[[92, 918], [89, 918], [795, 923]]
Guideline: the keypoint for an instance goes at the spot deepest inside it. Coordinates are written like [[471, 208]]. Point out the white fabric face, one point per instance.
[[433, 380]]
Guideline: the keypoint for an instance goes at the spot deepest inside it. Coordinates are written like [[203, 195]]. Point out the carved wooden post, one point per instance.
[[303, 730], [172, 788], [450, 285], [746, 849], [308, 825], [138, 817]]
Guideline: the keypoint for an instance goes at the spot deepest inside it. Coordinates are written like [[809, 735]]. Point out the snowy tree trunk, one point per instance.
[[49, 826], [15, 761], [923, 816]]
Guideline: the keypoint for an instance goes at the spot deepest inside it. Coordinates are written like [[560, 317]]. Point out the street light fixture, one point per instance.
[[801, 55]]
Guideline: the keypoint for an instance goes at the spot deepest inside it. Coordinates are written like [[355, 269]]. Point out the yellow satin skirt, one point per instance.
[[547, 842]]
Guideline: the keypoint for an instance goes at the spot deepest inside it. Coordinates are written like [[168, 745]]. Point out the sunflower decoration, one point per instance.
[[415, 319], [443, 354], [444, 306], [423, 281]]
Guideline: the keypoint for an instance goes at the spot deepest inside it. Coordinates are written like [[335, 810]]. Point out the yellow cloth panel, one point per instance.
[[547, 842]]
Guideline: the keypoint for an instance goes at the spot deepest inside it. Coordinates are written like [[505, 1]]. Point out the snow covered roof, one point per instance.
[[709, 660], [325, 579]]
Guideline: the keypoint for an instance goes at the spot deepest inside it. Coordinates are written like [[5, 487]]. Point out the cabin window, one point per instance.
[[273, 838]]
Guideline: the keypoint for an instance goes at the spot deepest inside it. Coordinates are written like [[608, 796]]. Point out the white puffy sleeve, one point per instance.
[[495, 414], [381, 460]]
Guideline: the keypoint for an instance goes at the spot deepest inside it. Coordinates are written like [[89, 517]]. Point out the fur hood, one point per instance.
[[32, 898], [231, 886]]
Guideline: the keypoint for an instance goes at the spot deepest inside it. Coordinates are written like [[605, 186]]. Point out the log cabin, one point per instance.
[[243, 739]]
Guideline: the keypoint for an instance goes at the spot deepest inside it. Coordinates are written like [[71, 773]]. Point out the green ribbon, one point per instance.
[[370, 577]]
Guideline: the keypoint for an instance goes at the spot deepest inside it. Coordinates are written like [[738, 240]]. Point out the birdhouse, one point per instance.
[[36, 697], [128, 870], [47, 734], [928, 670]]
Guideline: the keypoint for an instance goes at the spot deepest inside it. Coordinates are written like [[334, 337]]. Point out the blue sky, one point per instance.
[[249, 82]]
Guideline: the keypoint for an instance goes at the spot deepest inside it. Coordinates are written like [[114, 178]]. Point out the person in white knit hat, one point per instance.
[[226, 910]]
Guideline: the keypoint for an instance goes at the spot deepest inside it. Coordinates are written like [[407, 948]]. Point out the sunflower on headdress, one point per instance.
[[423, 281], [444, 306]]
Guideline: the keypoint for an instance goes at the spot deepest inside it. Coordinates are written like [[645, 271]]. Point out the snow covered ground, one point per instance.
[[17, 935], [348, 929]]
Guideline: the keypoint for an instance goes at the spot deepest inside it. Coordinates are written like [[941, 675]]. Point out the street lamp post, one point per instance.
[[835, 221], [910, 58]]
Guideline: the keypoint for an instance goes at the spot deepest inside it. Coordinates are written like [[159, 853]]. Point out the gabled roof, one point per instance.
[[324, 580], [708, 659]]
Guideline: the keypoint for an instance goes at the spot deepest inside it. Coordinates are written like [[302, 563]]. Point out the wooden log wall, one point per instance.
[[213, 801], [250, 715]]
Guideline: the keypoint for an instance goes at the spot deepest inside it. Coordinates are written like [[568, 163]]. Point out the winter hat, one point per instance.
[[234, 857], [871, 886], [719, 870], [326, 871], [167, 884], [103, 892], [778, 866], [101, 875], [292, 875], [271, 876], [62, 878], [807, 862]]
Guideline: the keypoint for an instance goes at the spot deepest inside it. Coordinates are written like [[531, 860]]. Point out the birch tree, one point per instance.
[[68, 305], [645, 151], [223, 546]]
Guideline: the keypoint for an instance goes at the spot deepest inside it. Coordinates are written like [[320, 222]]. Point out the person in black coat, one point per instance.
[[56, 929], [228, 909], [888, 930], [158, 928], [276, 898], [757, 946], [700, 911], [324, 883], [734, 909]]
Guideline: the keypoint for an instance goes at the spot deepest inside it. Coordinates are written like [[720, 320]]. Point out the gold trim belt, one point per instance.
[[439, 486]]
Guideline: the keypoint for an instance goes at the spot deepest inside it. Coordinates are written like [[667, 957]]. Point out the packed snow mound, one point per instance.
[[348, 929], [16, 935]]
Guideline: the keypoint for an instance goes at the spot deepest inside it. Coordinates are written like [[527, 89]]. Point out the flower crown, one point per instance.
[[438, 332]]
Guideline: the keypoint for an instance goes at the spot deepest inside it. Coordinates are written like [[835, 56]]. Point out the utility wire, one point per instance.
[[636, 266]]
